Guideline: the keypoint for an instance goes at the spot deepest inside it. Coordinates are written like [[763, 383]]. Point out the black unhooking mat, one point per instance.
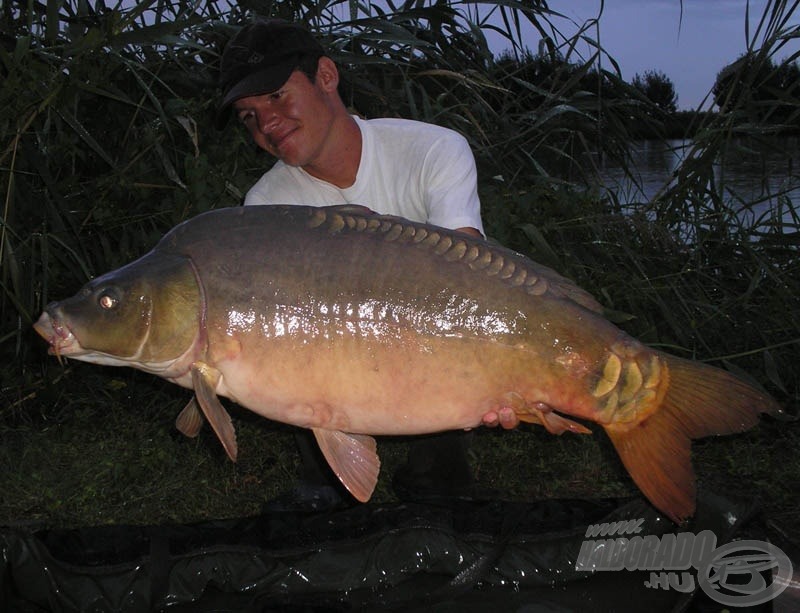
[[446, 556]]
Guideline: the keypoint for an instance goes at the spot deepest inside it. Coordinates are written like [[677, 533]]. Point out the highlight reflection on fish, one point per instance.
[[356, 324]]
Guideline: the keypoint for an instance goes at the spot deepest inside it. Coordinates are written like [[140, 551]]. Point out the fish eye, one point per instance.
[[107, 301]]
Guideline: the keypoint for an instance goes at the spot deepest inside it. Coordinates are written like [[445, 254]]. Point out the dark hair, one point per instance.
[[307, 64]]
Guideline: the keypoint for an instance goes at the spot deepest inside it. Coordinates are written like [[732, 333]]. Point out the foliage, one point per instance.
[[658, 88], [755, 89], [106, 141], [759, 90], [566, 110]]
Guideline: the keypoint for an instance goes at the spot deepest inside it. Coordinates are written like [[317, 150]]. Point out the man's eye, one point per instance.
[[276, 95], [246, 116]]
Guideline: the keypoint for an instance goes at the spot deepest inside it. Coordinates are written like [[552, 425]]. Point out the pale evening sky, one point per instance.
[[651, 35]]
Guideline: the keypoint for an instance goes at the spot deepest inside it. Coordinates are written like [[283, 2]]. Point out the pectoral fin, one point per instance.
[[205, 380], [190, 419], [353, 459]]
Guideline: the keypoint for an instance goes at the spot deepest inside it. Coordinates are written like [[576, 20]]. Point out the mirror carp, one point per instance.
[[355, 324]]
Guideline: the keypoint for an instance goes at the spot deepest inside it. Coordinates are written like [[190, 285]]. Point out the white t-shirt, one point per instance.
[[416, 170]]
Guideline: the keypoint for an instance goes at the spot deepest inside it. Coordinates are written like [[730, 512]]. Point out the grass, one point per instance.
[[112, 455]]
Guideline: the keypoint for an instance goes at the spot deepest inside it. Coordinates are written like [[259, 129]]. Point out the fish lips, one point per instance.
[[60, 338]]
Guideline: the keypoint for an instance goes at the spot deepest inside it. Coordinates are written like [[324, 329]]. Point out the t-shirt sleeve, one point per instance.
[[451, 184]]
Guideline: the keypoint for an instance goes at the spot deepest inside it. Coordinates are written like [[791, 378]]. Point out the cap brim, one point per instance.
[[262, 82]]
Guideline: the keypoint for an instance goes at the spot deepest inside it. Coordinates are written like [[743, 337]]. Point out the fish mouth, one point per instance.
[[60, 338]]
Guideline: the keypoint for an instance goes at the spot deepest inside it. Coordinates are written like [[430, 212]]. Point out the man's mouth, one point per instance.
[[278, 140]]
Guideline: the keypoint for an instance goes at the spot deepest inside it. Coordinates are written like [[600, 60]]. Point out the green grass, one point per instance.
[[111, 454]]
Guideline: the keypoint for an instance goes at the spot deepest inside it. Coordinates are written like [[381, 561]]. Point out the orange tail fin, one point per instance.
[[700, 401]]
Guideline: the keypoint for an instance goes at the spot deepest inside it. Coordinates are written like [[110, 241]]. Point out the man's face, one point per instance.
[[291, 123]]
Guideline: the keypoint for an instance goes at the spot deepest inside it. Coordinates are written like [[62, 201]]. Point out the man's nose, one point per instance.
[[267, 120]]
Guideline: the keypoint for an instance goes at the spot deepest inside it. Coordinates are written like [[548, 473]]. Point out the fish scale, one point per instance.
[[480, 256]]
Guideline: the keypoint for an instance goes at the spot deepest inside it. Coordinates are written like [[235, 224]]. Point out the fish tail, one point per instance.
[[699, 400]]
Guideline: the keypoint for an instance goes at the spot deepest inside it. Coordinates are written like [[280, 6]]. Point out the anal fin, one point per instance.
[[353, 458], [542, 414]]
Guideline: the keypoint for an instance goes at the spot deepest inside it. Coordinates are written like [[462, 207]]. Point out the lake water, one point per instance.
[[760, 173]]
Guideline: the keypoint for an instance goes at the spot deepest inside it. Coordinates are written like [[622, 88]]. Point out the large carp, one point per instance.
[[356, 324]]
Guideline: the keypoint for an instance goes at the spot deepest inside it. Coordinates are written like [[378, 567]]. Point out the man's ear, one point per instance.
[[327, 74]]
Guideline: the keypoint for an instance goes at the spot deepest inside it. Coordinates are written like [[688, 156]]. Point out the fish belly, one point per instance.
[[411, 385]]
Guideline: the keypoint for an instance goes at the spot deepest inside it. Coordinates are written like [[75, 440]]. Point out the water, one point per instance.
[[755, 177]]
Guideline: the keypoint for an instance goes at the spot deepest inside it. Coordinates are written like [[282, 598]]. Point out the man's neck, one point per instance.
[[339, 163]]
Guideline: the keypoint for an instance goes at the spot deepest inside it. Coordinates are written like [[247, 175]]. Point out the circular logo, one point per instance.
[[736, 574]]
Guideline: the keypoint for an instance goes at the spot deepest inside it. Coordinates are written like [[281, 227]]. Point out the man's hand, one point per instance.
[[505, 418], [471, 231]]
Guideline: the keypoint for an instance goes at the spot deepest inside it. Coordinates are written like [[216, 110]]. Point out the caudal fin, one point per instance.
[[700, 400]]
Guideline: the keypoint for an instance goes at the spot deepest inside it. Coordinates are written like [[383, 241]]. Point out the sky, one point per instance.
[[652, 35]]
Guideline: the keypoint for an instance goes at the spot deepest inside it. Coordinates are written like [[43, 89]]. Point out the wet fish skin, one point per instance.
[[356, 324]]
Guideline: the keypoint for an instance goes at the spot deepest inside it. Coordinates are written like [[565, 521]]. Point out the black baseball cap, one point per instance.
[[260, 58]]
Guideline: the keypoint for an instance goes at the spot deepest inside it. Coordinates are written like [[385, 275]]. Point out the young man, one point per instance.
[[276, 78]]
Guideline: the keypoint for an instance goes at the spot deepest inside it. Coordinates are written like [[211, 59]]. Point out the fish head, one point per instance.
[[147, 315]]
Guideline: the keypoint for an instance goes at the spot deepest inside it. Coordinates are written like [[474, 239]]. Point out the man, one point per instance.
[[282, 87]]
